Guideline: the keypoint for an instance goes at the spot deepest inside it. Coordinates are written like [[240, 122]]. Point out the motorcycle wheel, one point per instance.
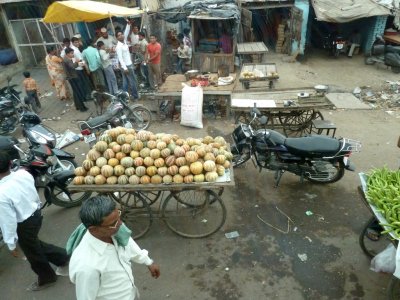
[[239, 158], [61, 197], [140, 117], [70, 163], [332, 173]]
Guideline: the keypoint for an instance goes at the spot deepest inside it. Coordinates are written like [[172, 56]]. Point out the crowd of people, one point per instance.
[[76, 70]]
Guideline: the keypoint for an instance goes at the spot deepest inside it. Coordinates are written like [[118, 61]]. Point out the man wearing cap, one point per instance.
[[128, 73], [79, 37], [108, 40]]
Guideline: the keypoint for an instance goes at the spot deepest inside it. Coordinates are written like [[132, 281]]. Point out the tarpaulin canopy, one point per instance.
[[342, 11], [85, 11]]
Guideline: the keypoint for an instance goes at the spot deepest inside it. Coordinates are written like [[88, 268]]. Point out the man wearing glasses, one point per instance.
[[100, 266]]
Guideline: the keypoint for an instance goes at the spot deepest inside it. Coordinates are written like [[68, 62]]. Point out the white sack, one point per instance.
[[192, 106]]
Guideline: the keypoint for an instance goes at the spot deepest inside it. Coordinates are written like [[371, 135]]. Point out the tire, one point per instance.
[[61, 197], [333, 173], [138, 219], [394, 288], [144, 115], [372, 248], [239, 158], [192, 215], [395, 70]]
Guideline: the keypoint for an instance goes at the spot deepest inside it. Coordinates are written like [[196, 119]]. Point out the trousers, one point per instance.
[[78, 93], [111, 80], [39, 253], [129, 81]]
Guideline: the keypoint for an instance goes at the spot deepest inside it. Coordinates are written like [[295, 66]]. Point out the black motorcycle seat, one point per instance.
[[96, 121], [313, 146]]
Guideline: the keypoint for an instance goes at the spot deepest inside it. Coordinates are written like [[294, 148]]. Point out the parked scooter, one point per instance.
[[335, 44], [319, 159], [118, 113], [384, 54], [49, 171]]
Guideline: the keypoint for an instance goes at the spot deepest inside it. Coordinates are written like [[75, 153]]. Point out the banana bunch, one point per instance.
[[247, 74]]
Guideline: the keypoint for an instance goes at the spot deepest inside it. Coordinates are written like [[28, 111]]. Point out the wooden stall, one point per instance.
[[207, 32]]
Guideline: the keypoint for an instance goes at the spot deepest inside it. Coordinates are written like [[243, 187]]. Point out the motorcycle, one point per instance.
[[48, 171], [384, 54], [319, 159], [10, 108], [335, 44], [118, 113]]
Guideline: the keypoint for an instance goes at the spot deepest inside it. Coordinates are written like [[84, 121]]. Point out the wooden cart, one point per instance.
[[284, 111], [192, 210], [259, 72]]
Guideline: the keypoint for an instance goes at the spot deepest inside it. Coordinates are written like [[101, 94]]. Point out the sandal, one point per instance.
[[36, 287], [372, 234]]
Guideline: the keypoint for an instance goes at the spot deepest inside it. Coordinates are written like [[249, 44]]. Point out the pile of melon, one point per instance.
[[123, 156]]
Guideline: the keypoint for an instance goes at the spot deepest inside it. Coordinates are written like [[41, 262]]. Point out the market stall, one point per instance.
[[148, 175]]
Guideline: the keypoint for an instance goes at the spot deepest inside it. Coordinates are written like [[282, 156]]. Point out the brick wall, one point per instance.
[[376, 27]]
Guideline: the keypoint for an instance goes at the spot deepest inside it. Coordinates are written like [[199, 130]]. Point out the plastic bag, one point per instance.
[[192, 106], [385, 261]]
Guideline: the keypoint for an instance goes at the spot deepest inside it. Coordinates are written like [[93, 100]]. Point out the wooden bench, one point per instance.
[[321, 125]]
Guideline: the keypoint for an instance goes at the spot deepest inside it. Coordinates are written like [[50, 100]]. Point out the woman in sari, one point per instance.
[[57, 74]]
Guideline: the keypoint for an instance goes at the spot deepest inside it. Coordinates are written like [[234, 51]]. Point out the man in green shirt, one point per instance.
[[92, 59]]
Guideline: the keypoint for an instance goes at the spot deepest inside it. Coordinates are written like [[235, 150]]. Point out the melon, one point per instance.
[[208, 139], [127, 162], [209, 165], [190, 141], [177, 178], [228, 155], [220, 140], [227, 164], [107, 171], [151, 144], [180, 142], [126, 148], [145, 179], [113, 162], [119, 170], [211, 176], [151, 171], [105, 138], [156, 179], [113, 133], [166, 139], [165, 152], [172, 146], [89, 179], [220, 170], [87, 164], [137, 145], [130, 131], [170, 160], [185, 147], [123, 179], [78, 180], [134, 179], [196, 168], [112, 180], [93, 154], [99, 179], [130, 171], [179, 151], [161, 145], [120, 155], [142, 135], [191, 156], [198, 178], [167, 178], [162, 171], [188, 178], [112, 144], [155, 153], [172, 170], [209, 156], [94, 171], [148, 161], [134, 154], [145, 152], [101, 146], [121, 130], [116, 148], [80, 171], [220, 159], [129, 138], [159, 162], [108, 154], [180, 161], [201, 151], [138, 161], [184, 170], [140, 171]]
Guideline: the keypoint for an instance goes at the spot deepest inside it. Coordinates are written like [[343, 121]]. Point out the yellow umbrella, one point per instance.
[[85, 11]]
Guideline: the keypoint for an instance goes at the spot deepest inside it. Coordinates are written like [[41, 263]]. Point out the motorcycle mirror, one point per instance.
[[256, 111], [263, 120]]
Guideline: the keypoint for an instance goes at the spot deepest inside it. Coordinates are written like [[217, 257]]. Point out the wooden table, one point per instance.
[[268, 71], [395, 39], [258, 48]]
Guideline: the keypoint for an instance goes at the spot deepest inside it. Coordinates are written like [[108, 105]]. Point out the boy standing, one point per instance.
[[31, 89]]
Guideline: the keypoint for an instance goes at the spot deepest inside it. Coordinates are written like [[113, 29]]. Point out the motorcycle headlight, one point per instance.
[[39, 138]]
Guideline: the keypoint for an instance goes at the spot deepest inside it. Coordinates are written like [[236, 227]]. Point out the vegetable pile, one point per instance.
[[124, 156], [384, 192]]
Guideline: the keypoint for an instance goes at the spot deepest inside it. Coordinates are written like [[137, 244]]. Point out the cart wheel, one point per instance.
[[394, 288], [317, 116], [131, 199], [194, 213], [369, 247], [246, 85], [138, 219], [297, 123]]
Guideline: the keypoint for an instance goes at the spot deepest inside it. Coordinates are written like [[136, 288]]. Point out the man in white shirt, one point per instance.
[[100, 265], [82, 69], [20, 221], [108, 40], [125, 61], [107, 68], [183, 57]]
